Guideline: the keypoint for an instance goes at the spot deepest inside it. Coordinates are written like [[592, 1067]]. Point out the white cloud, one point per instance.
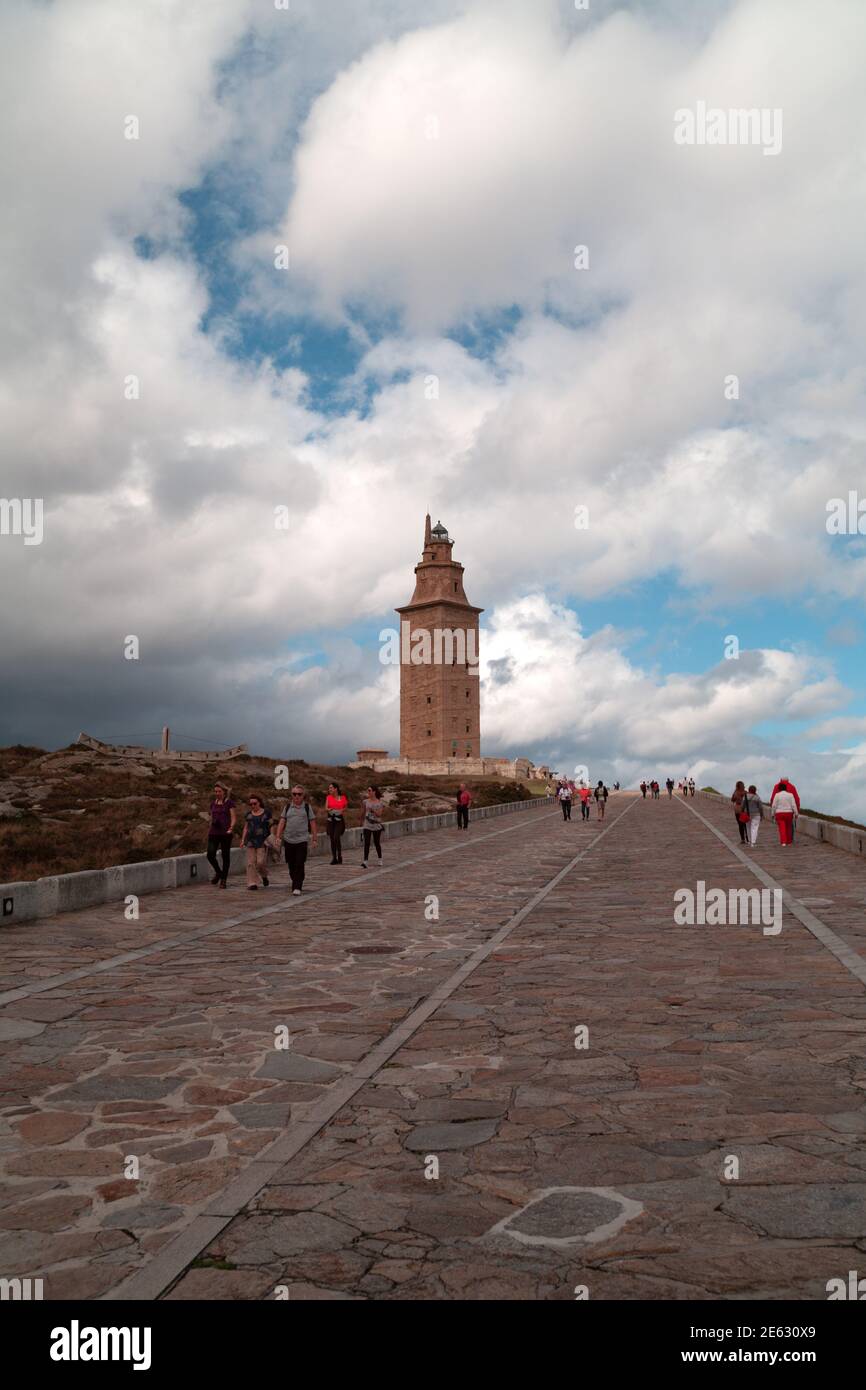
[[547, 138], [838, 728], [551, 683], [159, 512]]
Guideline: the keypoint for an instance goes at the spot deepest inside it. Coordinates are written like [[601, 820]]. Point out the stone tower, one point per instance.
[[440, 708]]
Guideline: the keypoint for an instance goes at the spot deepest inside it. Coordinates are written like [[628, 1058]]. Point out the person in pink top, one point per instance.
[[464, 801], [335, 806]]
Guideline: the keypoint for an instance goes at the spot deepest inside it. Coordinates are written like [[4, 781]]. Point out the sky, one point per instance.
[[320, 263]]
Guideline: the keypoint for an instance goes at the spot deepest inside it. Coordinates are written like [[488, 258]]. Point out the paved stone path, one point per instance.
[[447, 1045]]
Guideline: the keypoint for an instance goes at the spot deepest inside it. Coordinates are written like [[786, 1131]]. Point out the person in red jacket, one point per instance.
[[789, 786], [786, 782], [464, 801]]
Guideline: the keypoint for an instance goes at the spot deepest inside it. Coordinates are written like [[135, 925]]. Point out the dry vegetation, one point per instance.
[[77, 809]]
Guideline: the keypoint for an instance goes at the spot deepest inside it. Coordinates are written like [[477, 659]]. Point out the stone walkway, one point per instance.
[[436, 1127]]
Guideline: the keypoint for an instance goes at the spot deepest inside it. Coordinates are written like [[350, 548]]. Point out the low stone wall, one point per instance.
[[174, 755], [846, 837], [22, 902], [507, 770]]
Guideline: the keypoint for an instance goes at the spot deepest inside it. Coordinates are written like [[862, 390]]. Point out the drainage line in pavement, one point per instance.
[[156, 1277], [844, 953]]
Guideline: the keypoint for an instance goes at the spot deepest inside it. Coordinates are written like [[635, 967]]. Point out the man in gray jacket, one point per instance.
[[297, 828]]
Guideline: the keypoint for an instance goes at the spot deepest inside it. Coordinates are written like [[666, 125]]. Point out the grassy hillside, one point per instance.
[[78, 809]]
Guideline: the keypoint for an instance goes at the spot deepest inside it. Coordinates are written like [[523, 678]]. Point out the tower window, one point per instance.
[[429, 699], [455, 588], [429, 733], [467, 728], [467, 694]]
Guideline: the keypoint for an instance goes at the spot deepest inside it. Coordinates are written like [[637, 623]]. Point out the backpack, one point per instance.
[[288, 807]]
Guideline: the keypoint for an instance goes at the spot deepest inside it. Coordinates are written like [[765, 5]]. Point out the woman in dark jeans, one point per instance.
[[371, 823], [738, 797], [219, 836], [335, 805]]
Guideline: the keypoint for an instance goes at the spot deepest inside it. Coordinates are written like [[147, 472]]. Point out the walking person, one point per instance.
[[585, 795], [789, 785], [257, 828], [738, 795], [643, 790], [755, 807], [219, 836], [564, 794], [691, 786], [670, 786], [785, 783], [601, 795], [464, 801], [784, 807], [297, 830], [335, 807], [372, 807]]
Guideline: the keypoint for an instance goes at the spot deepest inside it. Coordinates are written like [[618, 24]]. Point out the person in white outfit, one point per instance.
[[755, 807], [784, 808]]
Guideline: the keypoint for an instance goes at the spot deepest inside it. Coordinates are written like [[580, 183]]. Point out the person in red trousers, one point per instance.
[[784, 806], [787, 783]]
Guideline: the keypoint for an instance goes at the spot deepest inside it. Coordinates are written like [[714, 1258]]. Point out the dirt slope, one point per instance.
[[77, 809]]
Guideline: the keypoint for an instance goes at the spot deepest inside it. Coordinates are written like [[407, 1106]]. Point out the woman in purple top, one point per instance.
[[219, 836]]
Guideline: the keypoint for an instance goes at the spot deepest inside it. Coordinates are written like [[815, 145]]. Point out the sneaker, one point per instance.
[[296, 892], [215, 880], [222, 883], [265, 881], [363, 863], [252, 888]]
